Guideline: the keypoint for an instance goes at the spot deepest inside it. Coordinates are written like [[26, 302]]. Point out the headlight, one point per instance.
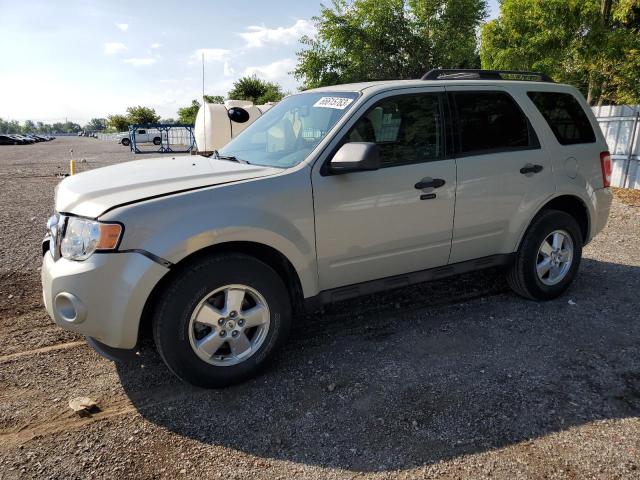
[[82, 237]]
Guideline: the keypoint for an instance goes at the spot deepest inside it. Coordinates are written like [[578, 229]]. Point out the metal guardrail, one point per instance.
[[173, 136]]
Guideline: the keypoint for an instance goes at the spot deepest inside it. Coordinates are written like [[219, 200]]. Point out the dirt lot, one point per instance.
[[452, 379]]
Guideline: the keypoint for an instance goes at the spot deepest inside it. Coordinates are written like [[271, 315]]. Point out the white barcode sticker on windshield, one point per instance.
[[333, 102]]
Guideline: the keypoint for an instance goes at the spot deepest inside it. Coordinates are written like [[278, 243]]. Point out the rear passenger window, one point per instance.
[[491, 121], [407, 128], [565, 116]]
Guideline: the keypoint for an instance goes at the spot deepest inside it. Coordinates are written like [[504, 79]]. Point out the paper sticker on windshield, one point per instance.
[[333, 102]]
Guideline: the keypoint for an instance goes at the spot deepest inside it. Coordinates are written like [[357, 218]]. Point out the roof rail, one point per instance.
[[470, 74]]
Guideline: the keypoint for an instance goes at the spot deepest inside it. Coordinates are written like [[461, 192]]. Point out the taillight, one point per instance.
[[605, 163]]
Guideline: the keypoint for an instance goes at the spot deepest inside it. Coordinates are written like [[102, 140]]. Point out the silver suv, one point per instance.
[[333, 193]]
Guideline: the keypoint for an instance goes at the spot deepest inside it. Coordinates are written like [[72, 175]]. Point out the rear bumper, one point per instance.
[[102, 297], [602, 199]]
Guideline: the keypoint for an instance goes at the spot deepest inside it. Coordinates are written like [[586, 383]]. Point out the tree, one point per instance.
[[256, 90], [187, 115], [29, 126], [214, 99], [363, 40], [592, 44], [141, 115], [9, 126], [96, 125], [118, 123]]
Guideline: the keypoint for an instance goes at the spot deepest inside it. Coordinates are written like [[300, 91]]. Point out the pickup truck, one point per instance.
[[142, 136]]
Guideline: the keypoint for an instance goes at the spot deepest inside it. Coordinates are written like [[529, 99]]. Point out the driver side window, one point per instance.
[[408, 129]]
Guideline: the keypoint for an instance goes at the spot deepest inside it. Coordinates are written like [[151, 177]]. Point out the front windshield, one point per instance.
[[289, 131]]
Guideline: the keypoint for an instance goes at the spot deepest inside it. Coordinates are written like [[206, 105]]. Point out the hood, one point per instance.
[[91, 193]]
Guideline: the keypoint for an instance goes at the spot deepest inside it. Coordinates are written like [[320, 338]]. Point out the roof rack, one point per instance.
[[470, 74]]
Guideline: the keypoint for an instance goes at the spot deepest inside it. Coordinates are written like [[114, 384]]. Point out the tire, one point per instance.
[[157, 141], [192, 291], [126, 142], [523, 276]]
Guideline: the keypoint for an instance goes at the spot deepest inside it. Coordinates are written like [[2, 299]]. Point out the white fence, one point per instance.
[[620, 125]]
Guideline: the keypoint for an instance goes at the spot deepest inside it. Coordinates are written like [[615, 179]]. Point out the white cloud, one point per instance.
[[140, 62], [122, 26], [228, 70], [113, 48], [210, 55], [156, 45], [258, 36], [276, 71]]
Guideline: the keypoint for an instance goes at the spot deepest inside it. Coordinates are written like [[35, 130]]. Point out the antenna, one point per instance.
[[204, 113]]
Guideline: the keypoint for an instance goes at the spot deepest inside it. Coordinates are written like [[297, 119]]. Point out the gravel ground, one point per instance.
[[451, 379]]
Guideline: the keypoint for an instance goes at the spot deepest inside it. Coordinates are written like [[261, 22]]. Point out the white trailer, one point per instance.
[[217, 124]]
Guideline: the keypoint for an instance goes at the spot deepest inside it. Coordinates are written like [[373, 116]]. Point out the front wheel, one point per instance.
[[221, 320], [548, 258]]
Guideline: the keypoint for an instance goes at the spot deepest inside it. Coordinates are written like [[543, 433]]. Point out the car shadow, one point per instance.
[[421, 375]]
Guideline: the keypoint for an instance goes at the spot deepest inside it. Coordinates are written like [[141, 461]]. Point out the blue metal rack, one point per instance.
[[163, 129]]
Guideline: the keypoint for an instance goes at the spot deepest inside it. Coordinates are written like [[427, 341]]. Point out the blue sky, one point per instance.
[[82, 59]]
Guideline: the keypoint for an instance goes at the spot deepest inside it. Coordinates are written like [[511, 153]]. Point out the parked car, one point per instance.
[[142, 136], [22, 140], [8, 140], [333, 193]]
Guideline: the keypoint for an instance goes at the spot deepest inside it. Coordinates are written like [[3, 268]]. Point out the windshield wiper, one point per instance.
[[230, 158]]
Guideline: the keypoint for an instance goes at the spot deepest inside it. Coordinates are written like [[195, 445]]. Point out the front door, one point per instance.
[[376, 224]]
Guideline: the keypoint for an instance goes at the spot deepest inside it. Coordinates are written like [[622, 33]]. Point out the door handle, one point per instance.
[[530, 168], [429, 182]]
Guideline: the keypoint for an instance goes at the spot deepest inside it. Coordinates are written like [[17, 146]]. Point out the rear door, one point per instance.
[[377, 224], [503, 172]]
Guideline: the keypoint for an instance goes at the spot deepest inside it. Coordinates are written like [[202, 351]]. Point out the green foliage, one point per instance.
[[140, 115], [363, 40], [13, 126], [96, 125], [29, 126], [256, 90], [117, 123], [188, 114], [214, 99], [135, 115], [575, 41], [9, 126]]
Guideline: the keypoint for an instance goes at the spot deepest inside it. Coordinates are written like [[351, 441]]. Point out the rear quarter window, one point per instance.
[[565, 116]]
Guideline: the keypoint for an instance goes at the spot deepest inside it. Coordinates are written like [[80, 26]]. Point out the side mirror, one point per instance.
[[356, 157], [238, 114]]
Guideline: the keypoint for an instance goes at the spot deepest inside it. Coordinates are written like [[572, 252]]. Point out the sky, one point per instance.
[[77, 60]]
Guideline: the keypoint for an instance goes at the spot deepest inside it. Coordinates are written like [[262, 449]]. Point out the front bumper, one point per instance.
[[102, 297]]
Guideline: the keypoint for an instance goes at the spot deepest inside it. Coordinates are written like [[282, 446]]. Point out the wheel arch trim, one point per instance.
[[556, 201]]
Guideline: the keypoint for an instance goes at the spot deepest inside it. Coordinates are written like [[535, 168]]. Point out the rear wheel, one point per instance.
[[157, 141], [221, 320], [126, 142], [548, 258]]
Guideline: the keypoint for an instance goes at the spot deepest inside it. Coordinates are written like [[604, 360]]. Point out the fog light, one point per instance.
[[69, 308]]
